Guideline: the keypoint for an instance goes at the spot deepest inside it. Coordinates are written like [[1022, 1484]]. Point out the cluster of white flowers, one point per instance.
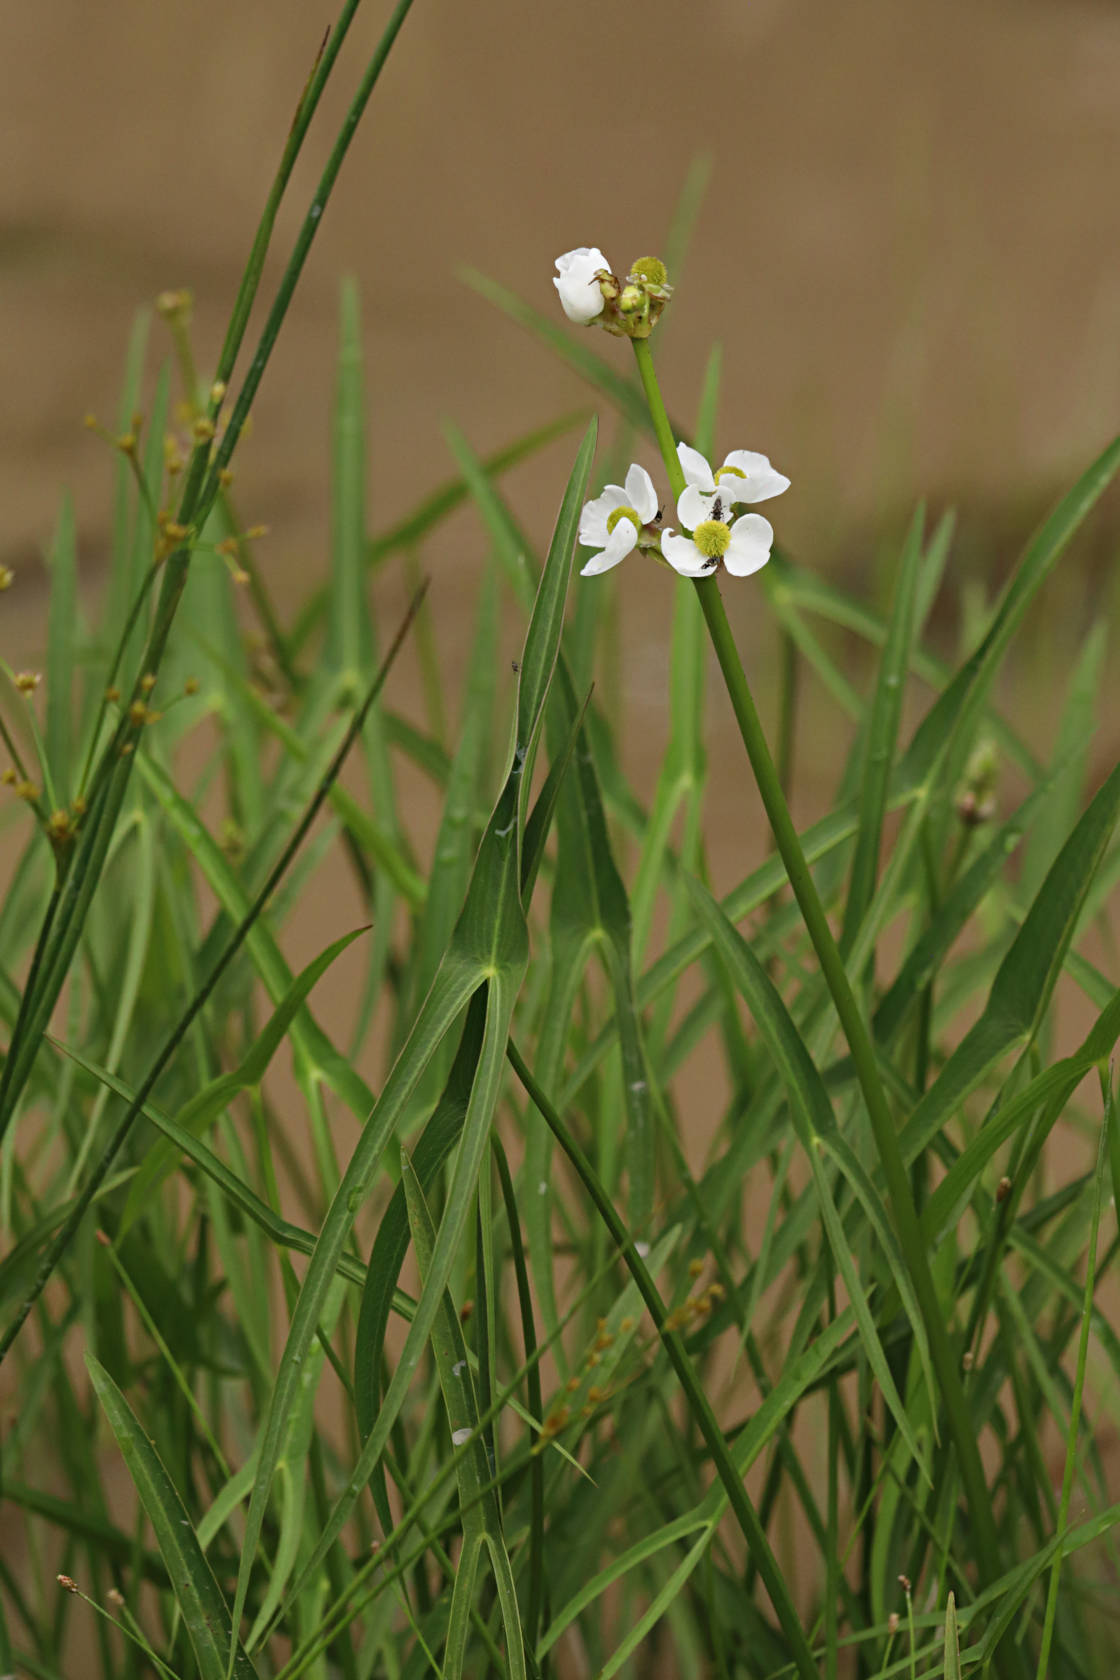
[[627, 516]]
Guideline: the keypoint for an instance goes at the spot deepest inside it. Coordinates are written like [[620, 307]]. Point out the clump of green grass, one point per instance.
[[464, 1370]]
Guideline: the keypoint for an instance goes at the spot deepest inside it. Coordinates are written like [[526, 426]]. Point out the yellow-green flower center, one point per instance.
[[730, 472], [713, 538], [623, 513]]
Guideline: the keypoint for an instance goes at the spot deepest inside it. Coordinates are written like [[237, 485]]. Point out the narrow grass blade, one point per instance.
[[205, 1613], [457, 834], [310, 1040], [945, 736], [698, 1404], [279, 1231], [814, 1121], [200, 1113], [418, 525], [1049, 1091], [62, 630], [952, 1642], [1079, 1378], [58, 1247], [1068, 763], [390, 1245], [478, 1501], [881, 732], [623, 394], [1026, 978], [511, 546], [953, 914], [489, 948]]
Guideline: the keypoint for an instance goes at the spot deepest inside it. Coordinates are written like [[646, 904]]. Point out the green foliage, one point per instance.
[[431, 1336]]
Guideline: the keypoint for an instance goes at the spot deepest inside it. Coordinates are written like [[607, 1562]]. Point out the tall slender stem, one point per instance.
[[851, 1019]]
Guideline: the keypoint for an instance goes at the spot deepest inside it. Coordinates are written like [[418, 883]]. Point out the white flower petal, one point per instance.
[[593, 519], [759, 481], [749, 549], [641, 493], [684, 556], [694, 506], [580, 297], [696, 469], [622, 539]]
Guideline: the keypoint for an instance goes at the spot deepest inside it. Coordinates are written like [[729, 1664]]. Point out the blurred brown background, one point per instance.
[[910, 248]]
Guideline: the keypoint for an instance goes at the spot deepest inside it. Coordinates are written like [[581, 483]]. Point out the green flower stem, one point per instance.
[[661, 427], [851, 1020]]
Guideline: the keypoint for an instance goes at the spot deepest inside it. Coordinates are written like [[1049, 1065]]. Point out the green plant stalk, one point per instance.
[[199, 492], [698, 1403], [135, 1108], [851, 1020]]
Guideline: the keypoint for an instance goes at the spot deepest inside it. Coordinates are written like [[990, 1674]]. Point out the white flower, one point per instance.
[[745, 476], [580, 296], [613, 521], [742, 543]]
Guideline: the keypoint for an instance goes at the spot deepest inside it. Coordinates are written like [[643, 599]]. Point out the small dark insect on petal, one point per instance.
[[717, 509]]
